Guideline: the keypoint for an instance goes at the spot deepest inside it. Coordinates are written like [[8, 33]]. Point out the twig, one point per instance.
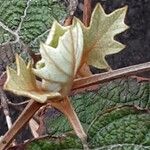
[[17, 104], [111, 75], [25, 116], [87, 12], [34, 127]]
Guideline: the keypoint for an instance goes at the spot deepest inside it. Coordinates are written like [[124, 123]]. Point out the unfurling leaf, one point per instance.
[[56, 32], [23, 82], [59, 65], [99, 36]]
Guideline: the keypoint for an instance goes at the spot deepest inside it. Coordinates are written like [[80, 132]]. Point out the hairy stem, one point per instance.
[[87, 12], [65, 107], [111, 75], [85, 69]]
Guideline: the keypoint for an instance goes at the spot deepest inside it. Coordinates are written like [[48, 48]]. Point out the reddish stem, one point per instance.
[[87, 12], [108, 76], [68, 21], [26, 115], [66, 108]]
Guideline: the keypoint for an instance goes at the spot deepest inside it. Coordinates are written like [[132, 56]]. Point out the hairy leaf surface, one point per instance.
[[56, 143], [23, 82], [59, 65], [99, 36]]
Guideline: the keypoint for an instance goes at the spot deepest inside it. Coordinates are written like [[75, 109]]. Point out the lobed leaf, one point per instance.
[[59, 65], [56, 32], [99, 36], [23, 82]]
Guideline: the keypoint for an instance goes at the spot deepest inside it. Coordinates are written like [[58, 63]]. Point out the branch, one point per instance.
[[111, 75], [87, 12], [25, 116]]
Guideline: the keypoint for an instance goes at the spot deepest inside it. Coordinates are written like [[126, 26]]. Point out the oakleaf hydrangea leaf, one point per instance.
[[59, 65], [23, 82], [57, 31], [99, 36]]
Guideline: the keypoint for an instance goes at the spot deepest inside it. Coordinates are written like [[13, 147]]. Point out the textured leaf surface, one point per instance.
[[29, 19], [120, 126], [23, 82], [64, 143], [59, 65], [24, 23], [57, 31], [99, 36], [124, 124]]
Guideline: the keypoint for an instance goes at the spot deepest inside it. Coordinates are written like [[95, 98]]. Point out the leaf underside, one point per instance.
[[99, 36], [59, 65], [23, 82]]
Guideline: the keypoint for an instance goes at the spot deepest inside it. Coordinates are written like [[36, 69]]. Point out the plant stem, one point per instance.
[[68, 21], [25, 116], [87, 12], [85, 69], [111, 75], [66, 108]]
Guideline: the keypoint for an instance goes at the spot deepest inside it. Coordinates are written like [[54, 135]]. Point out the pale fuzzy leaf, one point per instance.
[[23, 82], [56, 31], [59, 65], [99, 36]]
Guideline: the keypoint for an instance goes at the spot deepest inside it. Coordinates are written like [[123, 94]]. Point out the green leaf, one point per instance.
[[59, 65], [99, 36], [115, 113], [120, 126], [57, 143], [124, 147], [28, 21]]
